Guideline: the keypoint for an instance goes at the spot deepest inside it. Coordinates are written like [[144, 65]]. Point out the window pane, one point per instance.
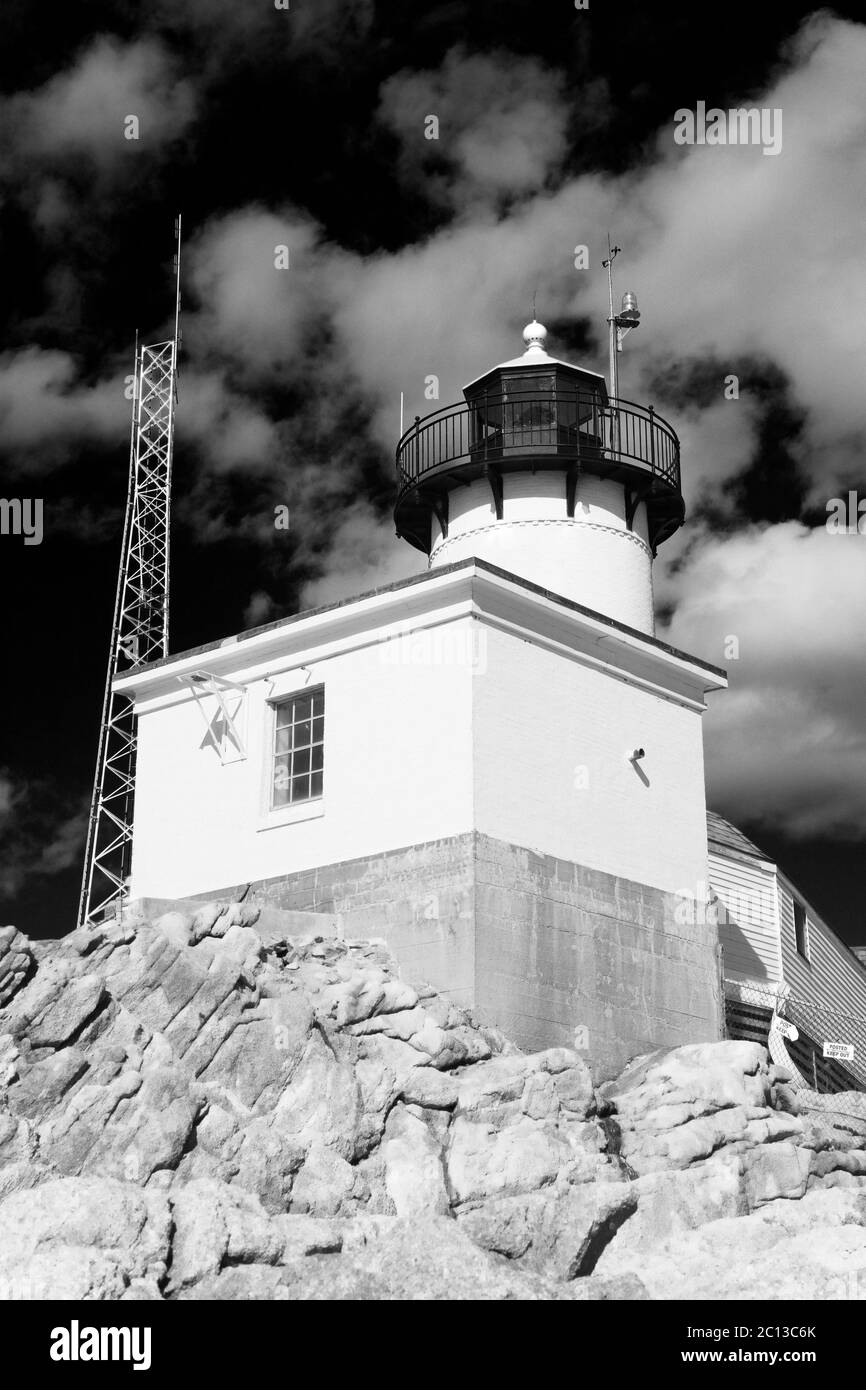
[[298, 753], [281, 783], [523, 385], [800, 929], [281, 772], [303, 705]]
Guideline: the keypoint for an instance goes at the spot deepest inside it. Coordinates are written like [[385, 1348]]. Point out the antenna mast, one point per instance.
[[139, 631], [613, 383], [619, 324]]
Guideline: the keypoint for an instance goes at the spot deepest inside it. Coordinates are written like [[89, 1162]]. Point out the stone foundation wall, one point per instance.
[[420, 899], [573, 957], [553, 953]]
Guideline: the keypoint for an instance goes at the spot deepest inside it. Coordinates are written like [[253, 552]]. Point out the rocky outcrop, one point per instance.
[[16, 962], [188, 1110]]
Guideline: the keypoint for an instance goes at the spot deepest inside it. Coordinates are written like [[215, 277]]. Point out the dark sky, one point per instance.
[[411, 257]]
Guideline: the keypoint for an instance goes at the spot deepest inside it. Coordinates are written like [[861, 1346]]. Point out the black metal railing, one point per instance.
[[573, 426]]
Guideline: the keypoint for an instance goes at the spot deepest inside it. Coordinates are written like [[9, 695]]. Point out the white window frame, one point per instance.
[[292, 813]]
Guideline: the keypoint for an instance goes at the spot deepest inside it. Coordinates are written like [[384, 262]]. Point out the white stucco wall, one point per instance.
[[496, 710], [551, 738], [398, 770]]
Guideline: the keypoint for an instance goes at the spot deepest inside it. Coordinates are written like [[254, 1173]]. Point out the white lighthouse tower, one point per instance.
[[496, 765], [541, 472]]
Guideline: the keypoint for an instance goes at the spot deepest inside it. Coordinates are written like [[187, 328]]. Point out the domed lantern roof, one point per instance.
[[536, 370]]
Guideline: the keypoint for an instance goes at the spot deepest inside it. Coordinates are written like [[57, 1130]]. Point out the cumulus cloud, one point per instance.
[[45, 406], [262, 286], [82, 111], [494, 139], [783, 608], [362, 556], [232, 430], [734, 256], [722, 290], [701, 230]]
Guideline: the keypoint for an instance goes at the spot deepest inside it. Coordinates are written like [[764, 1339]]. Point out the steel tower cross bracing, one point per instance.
[[140, 628]]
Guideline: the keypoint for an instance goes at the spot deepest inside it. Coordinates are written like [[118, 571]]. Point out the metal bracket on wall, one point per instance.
[[632, 498], [222, 728], [494, 477], [439, 503], [571, 480]]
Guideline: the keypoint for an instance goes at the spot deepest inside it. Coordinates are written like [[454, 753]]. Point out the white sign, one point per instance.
[[843, 1052]]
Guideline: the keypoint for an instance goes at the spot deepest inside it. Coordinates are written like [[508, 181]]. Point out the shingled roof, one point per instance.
[[720, 832]]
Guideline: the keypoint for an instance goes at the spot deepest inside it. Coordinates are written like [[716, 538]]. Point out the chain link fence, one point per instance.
[[799, 1033]]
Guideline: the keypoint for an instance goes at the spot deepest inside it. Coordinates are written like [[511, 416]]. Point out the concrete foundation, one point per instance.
[[554, 953]]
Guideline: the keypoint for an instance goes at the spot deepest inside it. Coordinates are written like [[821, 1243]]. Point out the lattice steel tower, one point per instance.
[[140, 629]]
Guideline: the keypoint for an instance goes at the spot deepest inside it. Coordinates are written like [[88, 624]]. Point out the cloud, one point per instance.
[[45, 407], [42, 831], [7, 794], [743, 254], [736, 257], [223, 28], [500, 132], [361, 556], [721, 289], [255, 313], [232, 430], [65, 846], [81, 112], [786, 744], [260, 609]]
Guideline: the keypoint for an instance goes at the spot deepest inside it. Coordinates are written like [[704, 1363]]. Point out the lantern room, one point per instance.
[[538, 470]]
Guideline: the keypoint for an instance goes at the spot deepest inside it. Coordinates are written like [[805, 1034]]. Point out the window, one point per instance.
[[800, 930], [299, 733], [529, 403]]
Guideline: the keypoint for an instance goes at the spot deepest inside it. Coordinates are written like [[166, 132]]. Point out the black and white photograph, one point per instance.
[[433, 762]]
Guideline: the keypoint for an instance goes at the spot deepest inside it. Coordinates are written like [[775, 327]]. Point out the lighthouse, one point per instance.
[[538, 470], [495, 765]]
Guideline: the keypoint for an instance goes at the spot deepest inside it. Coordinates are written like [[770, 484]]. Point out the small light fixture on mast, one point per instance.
[[618, 325], [621, 323]]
